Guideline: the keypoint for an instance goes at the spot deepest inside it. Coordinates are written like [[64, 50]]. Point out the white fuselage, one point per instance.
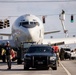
[[27, 28]]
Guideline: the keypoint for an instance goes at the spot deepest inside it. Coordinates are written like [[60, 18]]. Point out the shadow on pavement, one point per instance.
[[22, 70]]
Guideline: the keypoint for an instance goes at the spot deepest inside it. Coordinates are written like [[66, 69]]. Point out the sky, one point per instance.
[[12, 9]]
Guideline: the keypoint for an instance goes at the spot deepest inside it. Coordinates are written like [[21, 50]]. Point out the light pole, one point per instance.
[[62, 18]]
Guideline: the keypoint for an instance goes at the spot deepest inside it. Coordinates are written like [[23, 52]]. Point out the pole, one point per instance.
[[62, 18], [64, 29]]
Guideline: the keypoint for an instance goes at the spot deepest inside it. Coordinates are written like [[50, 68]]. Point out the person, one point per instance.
[[13, 54], [56, 50], [8, 49], [61, 54]]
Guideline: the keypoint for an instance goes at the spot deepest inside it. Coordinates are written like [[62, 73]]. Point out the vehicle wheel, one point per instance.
[[72, 58], [54, 68], [19, 61], [26, 67], [47, 68]]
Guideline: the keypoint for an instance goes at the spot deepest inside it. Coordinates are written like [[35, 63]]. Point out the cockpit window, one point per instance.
[[29, 24], [25, 23], [34, 23]]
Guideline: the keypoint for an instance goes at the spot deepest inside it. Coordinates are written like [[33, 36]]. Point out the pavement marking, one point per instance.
[[68, 73]]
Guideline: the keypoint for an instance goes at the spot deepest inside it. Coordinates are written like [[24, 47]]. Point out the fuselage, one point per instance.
[[27, 28]]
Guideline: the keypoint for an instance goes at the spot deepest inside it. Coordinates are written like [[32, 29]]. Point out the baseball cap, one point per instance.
[[8, 42]]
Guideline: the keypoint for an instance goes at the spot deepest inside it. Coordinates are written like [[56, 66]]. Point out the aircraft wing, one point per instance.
[[60, 41], [51, 32]]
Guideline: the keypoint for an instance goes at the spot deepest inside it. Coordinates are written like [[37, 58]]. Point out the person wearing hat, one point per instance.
[[8, 49]]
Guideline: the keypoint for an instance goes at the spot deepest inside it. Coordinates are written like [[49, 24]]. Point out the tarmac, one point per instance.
[[6, 62]]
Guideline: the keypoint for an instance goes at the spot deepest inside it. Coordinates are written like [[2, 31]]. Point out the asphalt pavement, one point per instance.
[[66, 67]]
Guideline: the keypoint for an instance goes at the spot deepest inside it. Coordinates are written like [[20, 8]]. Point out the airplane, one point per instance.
[[29, 28]]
